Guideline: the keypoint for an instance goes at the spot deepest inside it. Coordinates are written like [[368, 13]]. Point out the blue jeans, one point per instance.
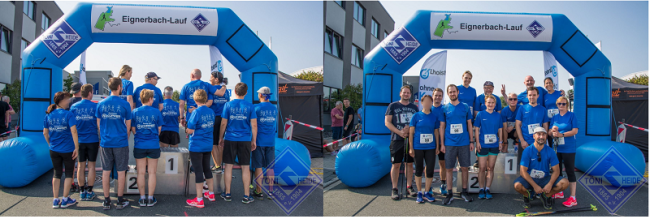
[[337, 133]]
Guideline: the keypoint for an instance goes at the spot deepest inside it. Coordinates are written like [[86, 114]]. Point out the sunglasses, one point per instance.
[[512, 99], [561, 104], [539, 157]]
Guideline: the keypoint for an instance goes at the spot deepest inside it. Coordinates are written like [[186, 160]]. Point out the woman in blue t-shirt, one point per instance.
[[564, 127], [423, 138], [60, 131], [200, 126], [488, 127], [549, 102]]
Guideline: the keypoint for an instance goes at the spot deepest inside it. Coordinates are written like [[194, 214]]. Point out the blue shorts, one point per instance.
[[262, 157], [484, 152], [540, 182], [337, 133], [146, 153]]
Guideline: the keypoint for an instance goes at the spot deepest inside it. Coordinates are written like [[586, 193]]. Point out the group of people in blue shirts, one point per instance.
[[218, 129], [537, 117]]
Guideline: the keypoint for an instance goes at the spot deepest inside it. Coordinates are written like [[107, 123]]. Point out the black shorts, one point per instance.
[[146, 153], [217, 129], [441, 156], [169, 137], [348, 132], [88, 152], [238, 149], [397, 152]]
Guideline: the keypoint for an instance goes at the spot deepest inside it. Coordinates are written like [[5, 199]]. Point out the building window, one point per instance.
[[357, 56], [28, 9], [5, 39], [375, 28], [23, 44], [333, 42], [45, 22], [340, 3], [359, 13], [385, 34]]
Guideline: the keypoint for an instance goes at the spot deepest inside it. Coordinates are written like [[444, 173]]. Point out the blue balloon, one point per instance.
[[287, 169], [361, 163], [23, 160], [88, 23], [589, 153]]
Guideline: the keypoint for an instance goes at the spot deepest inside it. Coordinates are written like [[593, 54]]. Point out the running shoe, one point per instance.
[[209, 196], [466, 196], [448, 199], [82, 195], [488, 195], [259, 195], [559, 195], [570, 202], [247, 199], [205, 187], [443, 189], [56, 203], [334, 153], [430, 191], [90, 196], [419, 199], [68, 203], [143, 202], [152, 201], [411, 191], [481, 194], [395, 194], [121, 204], [547, 201], [226, 197], [270, 195], [527, 201], [194, 202], [106, 204], [429, 197]]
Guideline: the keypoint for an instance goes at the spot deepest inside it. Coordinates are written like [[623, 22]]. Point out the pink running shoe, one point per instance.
[[195, 203], [570, 202]]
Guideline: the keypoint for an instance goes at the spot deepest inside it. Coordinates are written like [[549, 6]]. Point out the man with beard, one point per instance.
[[397, 119], [529, 117]]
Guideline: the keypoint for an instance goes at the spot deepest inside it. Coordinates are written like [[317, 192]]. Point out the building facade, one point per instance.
[[99, 80], [21, 23], [351, 30]]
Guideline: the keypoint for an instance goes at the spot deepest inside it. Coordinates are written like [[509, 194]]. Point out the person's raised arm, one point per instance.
[[221, 91], [209, 103]]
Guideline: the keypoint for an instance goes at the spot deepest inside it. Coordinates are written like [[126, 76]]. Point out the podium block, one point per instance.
[[506, 170], [171, 173]]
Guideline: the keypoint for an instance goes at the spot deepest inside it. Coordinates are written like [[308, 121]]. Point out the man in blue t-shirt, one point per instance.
[[466, 93], [267, 127], [508, 117], [523, 99], [150, 81], [437, 109], [171, 118], [456, 140], [221, 97], [186, 98], [535, 171], [114, 119], [529, 117], [84, 112], [488, 88], [238, 137]]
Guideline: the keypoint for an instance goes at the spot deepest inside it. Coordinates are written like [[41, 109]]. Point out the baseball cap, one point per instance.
[[488, 83], [151, 75], [264, 90], [76, 87], [539, 129]]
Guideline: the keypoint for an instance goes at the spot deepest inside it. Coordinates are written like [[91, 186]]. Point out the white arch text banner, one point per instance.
[[154, 20], [491, 27]]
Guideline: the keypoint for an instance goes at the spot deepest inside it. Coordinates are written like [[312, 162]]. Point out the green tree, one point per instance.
[[310, 76], [504, 103], [67, 84], [639, 79], [176, 96], [13, 91], [352, 92]]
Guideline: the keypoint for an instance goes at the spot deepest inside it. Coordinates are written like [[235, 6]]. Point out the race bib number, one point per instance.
[[490, 138], [531, 128], [426, 138], [560, 141], [456, 129], [537, 174], [511, 124], [552, 112]]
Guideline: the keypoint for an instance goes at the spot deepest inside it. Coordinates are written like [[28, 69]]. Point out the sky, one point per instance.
[[295, 28], [621, 26]]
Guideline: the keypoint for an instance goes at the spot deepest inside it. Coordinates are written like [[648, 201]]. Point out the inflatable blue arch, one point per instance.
[[362, 163], [25, 158]]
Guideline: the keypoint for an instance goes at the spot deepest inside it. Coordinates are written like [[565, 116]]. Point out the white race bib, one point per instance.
[[426, 138], [511, 124], [552, 112], [456, 129], [490, 138], [560, 141], [531, 128], [537, 174]]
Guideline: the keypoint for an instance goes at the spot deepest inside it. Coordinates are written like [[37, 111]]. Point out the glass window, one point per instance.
[[340, 3], [359, 13], [45, 22], [375, 28], [5, 39], [23, 45], [326, 99], [333, 43], [328, 41], [357, 56], [385, 34], [334, 96], [28, 9]]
